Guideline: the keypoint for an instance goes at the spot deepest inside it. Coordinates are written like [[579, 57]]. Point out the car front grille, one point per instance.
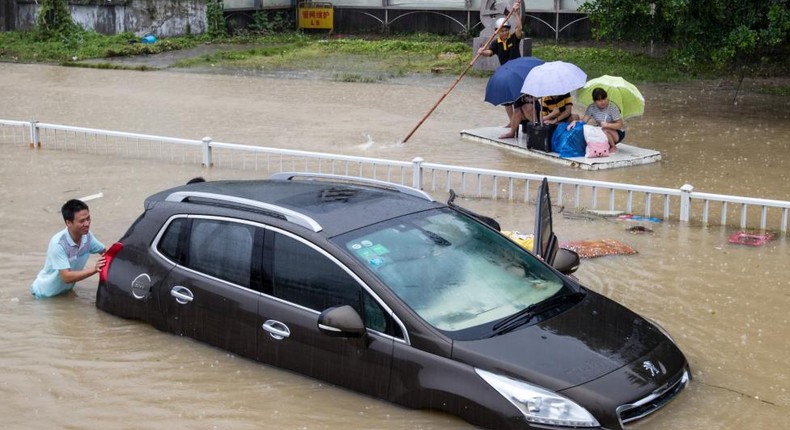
[[655, 401]]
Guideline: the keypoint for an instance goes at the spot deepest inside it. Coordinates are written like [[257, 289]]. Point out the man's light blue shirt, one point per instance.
[[63, 253]]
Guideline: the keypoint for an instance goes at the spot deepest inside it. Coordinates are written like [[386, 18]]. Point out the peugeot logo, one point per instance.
[[650, 367]]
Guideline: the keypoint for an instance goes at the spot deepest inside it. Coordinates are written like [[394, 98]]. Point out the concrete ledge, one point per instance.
[[626, 155]]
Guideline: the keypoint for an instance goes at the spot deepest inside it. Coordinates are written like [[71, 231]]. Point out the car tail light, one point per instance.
[[108, 256]]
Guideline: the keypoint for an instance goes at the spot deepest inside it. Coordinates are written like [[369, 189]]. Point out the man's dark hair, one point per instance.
[[599, 94], [71, 207]]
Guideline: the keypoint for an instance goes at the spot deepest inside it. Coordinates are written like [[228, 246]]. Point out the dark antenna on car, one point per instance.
[[287, 176]]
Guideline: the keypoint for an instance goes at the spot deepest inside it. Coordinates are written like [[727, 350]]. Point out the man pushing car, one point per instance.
[[68, 253]]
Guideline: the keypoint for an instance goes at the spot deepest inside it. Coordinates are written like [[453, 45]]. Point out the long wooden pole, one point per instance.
[[457, 80]]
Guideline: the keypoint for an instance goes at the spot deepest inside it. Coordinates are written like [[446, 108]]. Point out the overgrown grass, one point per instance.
[[403, 55], [29, 47], [107, 66], [383, 57]]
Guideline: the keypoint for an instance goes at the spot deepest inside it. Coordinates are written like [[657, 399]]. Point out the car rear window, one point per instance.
[[222, 249], [168, 245]]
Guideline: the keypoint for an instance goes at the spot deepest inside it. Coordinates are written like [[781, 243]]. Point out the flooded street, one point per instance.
[[66, 364]]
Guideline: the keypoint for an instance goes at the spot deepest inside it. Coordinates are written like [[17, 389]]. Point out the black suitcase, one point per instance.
[[539, 136]]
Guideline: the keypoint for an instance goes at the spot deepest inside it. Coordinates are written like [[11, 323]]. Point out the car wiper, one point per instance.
[[525, 315], [435, 238]]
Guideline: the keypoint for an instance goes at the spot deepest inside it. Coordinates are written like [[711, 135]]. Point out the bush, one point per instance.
[[702, 33], [54, 21], [215, 19]]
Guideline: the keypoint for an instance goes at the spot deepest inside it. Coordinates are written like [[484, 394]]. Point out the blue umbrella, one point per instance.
[[504, 86]]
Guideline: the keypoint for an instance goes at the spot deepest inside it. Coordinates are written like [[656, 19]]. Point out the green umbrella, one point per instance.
[[620, 92]]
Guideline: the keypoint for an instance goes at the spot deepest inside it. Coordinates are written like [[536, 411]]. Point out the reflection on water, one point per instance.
[[64, 363]]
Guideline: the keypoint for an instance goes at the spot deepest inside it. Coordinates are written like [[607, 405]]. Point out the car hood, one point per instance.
[[591, 339]]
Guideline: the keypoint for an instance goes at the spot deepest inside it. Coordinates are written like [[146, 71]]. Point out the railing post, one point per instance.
[[416, 172], [35, 137], [207, 152], [685, 202]]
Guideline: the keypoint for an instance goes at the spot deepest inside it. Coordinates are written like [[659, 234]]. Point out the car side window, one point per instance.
[[222, 249], [304, 276], [168, 244]]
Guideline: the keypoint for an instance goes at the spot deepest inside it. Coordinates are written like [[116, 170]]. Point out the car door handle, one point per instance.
[[277, 329], [182, 294]]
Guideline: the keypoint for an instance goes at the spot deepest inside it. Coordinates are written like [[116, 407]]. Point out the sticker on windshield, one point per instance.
[[356, 246], [376, 262], [366, 243], [367, 254], [380, 249]]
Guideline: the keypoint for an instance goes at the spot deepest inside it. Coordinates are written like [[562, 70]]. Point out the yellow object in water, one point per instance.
[[525, 240]]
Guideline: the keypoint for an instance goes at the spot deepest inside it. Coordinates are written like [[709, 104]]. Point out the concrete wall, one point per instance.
[[162, 18]]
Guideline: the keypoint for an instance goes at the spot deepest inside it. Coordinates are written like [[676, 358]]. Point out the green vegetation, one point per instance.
[[597, 61], [402, 55], [266, 46], [702, 34], [54, 20], [369, 60], [353, 77], [79, 45], [268, 23], [215, 19], [57, 38]]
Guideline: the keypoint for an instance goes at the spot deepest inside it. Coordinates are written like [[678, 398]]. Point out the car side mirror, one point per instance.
[[566, 261], [341, 321]]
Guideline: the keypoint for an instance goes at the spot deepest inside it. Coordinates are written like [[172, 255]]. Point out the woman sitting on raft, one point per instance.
[[606, 115]]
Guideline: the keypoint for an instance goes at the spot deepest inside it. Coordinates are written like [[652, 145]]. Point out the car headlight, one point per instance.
[[538, 404]]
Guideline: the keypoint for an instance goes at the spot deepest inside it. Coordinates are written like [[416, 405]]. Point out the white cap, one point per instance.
[[501, 22]]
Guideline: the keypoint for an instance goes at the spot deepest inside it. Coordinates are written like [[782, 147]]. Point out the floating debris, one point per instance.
[[750, 238], [580, 215], [598, 248], [639, 229], [604, 213], [630, 217], [524, 239]]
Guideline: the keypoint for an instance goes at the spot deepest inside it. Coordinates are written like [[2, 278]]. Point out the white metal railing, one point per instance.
[[683, 204]]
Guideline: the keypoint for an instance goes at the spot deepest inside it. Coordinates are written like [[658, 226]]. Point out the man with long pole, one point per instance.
[[506, 46], [515, 7]]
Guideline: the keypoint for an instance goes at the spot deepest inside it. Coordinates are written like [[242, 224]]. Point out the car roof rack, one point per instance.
[[288, 214], [287, 176]]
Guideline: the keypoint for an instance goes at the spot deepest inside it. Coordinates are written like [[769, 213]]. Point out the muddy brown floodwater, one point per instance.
[[64, 364]]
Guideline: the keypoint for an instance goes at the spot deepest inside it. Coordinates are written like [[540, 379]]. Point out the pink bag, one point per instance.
[[597, 149], [597, 143]]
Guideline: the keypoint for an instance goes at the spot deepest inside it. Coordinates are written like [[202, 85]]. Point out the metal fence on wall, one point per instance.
[[555, 15], [683, 204]]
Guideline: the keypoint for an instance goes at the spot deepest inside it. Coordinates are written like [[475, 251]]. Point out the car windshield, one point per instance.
[[454, 272]]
